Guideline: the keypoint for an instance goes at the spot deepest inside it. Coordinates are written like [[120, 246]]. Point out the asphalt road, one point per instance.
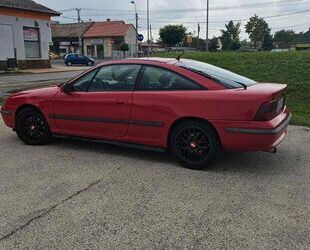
[[82, 195], [24, 78]]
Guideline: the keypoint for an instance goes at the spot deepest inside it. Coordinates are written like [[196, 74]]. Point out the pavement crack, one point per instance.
[[48, 210]]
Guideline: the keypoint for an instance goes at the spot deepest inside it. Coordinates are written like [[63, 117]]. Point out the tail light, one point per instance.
[[270, 110]]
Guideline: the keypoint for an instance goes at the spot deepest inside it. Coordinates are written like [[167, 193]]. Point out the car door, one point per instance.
[[82, 59], [99, 105], [156, 104]]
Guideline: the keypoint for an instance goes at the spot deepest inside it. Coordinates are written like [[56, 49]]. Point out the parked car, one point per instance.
[[71, 59], [191, 108]]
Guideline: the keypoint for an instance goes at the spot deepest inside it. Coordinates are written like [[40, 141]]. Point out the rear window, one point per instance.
[[224, 77]]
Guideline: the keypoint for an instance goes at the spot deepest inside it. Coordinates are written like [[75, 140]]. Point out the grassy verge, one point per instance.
[[292, 68]]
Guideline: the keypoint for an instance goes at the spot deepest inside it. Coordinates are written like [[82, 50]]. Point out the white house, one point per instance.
[[25, 34]]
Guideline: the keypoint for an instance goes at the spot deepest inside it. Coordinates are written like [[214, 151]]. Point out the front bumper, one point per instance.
[[6, 112], [254, 136], [8, 117]]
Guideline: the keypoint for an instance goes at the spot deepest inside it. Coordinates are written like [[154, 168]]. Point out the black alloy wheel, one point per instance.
[[32, 128], [195, 144]]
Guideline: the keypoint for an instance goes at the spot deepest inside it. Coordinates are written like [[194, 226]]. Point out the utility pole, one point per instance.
[[151, 38], [198, 41], [80, 29], [137, 26], [148, 26], [207, 27]]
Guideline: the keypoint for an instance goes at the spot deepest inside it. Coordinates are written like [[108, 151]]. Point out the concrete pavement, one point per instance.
[[83, 195]]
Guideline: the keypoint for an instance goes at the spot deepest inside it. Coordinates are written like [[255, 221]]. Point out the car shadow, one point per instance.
[[250, 162]]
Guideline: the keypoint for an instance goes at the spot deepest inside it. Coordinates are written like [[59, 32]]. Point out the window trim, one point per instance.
[[83, 75], [144, 66], [38, 42]]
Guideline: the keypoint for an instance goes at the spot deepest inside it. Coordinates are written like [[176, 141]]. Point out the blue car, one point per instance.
[[71, 59]]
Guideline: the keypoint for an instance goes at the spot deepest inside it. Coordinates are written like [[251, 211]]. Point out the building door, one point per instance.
[[6, 42], [91, 50], [100, 51]]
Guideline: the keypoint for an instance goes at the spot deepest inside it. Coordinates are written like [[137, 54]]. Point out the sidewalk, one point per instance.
[[55, 69]]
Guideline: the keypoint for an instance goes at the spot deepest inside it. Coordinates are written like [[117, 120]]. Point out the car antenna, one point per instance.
[[180, 55]]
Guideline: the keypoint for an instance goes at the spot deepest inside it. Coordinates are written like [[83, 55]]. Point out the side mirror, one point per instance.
[[67, 88]]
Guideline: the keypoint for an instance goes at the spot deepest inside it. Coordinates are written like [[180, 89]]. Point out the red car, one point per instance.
[[191, 108]]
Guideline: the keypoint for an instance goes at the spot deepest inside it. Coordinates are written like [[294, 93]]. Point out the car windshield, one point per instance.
[[225, 77]]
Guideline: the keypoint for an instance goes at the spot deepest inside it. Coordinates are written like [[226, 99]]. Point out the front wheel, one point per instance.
[[90, 63], [32, 128], [194, 144], [69, 63]]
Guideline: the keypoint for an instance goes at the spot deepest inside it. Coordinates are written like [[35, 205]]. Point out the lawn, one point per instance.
[[291, 68]]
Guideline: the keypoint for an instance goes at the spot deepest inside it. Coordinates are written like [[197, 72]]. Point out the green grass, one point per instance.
[[291, 68]]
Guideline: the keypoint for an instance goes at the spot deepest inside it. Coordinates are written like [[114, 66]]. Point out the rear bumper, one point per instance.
[[271, 131], [254, 136]]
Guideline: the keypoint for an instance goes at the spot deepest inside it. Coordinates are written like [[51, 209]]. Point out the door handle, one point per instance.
[[121, 102]]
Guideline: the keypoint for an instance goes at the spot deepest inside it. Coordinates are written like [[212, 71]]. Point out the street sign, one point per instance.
[[140, 37]]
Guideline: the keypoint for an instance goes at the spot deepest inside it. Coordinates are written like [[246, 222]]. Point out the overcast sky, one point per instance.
[[278, 13]]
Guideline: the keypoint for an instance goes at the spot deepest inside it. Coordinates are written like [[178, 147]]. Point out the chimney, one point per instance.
[[108, 19]]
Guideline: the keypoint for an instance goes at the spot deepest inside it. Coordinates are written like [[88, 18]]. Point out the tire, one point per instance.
[[194, 144], [69, 63], [32, 128], [90, 63]]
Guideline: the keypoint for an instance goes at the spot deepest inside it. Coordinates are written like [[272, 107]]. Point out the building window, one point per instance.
[[32, 42]]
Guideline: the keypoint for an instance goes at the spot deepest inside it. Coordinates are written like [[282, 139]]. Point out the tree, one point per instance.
[[285, 36], [258, 29], [231, 36], [213, 44], [124, 47], [268, 42], [172, 34]]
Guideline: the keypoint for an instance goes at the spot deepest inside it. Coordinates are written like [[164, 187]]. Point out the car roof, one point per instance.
[[143, 60], [155, 59]]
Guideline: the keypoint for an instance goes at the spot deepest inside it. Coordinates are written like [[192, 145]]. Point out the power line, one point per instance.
[[228, 7]]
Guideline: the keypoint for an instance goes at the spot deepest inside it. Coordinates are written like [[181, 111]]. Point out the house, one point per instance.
[[25, 34], [66, 36], [302, 42], [102, 39]]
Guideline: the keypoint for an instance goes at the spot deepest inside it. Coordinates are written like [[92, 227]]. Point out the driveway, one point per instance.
[[86, 195]]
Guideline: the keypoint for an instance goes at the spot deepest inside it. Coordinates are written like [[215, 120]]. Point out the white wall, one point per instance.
[[130, 39], [17, 25]]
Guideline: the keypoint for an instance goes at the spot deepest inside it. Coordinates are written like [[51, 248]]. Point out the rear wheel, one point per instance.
[[32, 128], [194, 144]]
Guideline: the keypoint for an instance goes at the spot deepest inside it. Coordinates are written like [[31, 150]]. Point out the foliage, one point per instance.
[[268, 42], [258, 29], [231, 36], [281, 67], [285, 36], [172, 34], [124, 47], [213, 44]]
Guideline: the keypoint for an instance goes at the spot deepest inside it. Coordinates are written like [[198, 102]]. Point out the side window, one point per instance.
[[115, 78], [155, 78], [81, 85]]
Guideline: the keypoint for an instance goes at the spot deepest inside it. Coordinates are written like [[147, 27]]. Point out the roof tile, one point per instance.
[[107, 29], [27, 5]]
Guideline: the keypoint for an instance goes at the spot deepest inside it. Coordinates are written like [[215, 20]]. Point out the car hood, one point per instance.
[[44, 92]]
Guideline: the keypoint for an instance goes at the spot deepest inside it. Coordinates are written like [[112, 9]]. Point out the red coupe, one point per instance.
[[192, 108]]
